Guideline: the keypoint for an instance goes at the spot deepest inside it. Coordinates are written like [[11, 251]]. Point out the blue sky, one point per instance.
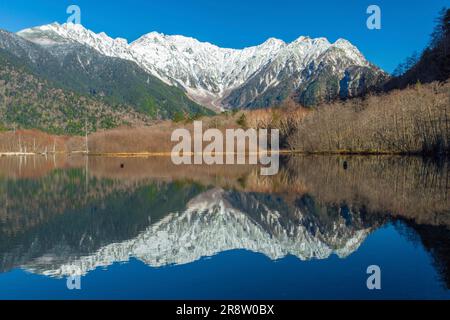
[[406, 24]]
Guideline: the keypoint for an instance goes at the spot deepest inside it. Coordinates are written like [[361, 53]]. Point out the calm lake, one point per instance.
[[142, 228]]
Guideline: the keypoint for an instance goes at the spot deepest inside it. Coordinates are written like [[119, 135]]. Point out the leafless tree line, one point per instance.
[[414, 120]]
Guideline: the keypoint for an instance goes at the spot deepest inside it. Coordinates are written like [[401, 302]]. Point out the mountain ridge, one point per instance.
[[79, 70], [219, 77]]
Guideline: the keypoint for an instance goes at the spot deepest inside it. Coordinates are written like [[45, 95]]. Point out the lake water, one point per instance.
[[145, 229]]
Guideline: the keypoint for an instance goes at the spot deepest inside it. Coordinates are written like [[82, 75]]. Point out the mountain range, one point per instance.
[[120, 84], [260, 76], [160, 76]]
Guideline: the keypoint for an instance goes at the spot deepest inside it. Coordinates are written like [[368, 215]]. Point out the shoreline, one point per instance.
[[168, 154]]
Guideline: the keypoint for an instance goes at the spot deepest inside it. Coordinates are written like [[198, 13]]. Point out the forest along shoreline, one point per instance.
[[412, 121]]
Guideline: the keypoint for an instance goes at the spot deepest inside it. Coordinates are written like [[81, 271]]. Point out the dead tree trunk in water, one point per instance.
[[86, 137]]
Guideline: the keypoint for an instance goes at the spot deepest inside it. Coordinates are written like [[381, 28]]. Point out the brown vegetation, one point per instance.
[[286, 118], [157, 138], [32, 141], [409, 121], [414, 120]]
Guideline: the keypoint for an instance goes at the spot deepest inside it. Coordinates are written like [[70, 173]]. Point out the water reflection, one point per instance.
[[63, 212]]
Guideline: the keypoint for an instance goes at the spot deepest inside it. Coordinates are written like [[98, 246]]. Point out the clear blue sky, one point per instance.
[[406, 24]]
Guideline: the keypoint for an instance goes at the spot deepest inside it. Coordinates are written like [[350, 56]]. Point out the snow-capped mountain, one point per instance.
[[214, 222], [79, 68], [220, 77]]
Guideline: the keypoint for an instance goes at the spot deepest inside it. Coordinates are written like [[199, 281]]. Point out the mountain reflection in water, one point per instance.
[[61, 213]]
